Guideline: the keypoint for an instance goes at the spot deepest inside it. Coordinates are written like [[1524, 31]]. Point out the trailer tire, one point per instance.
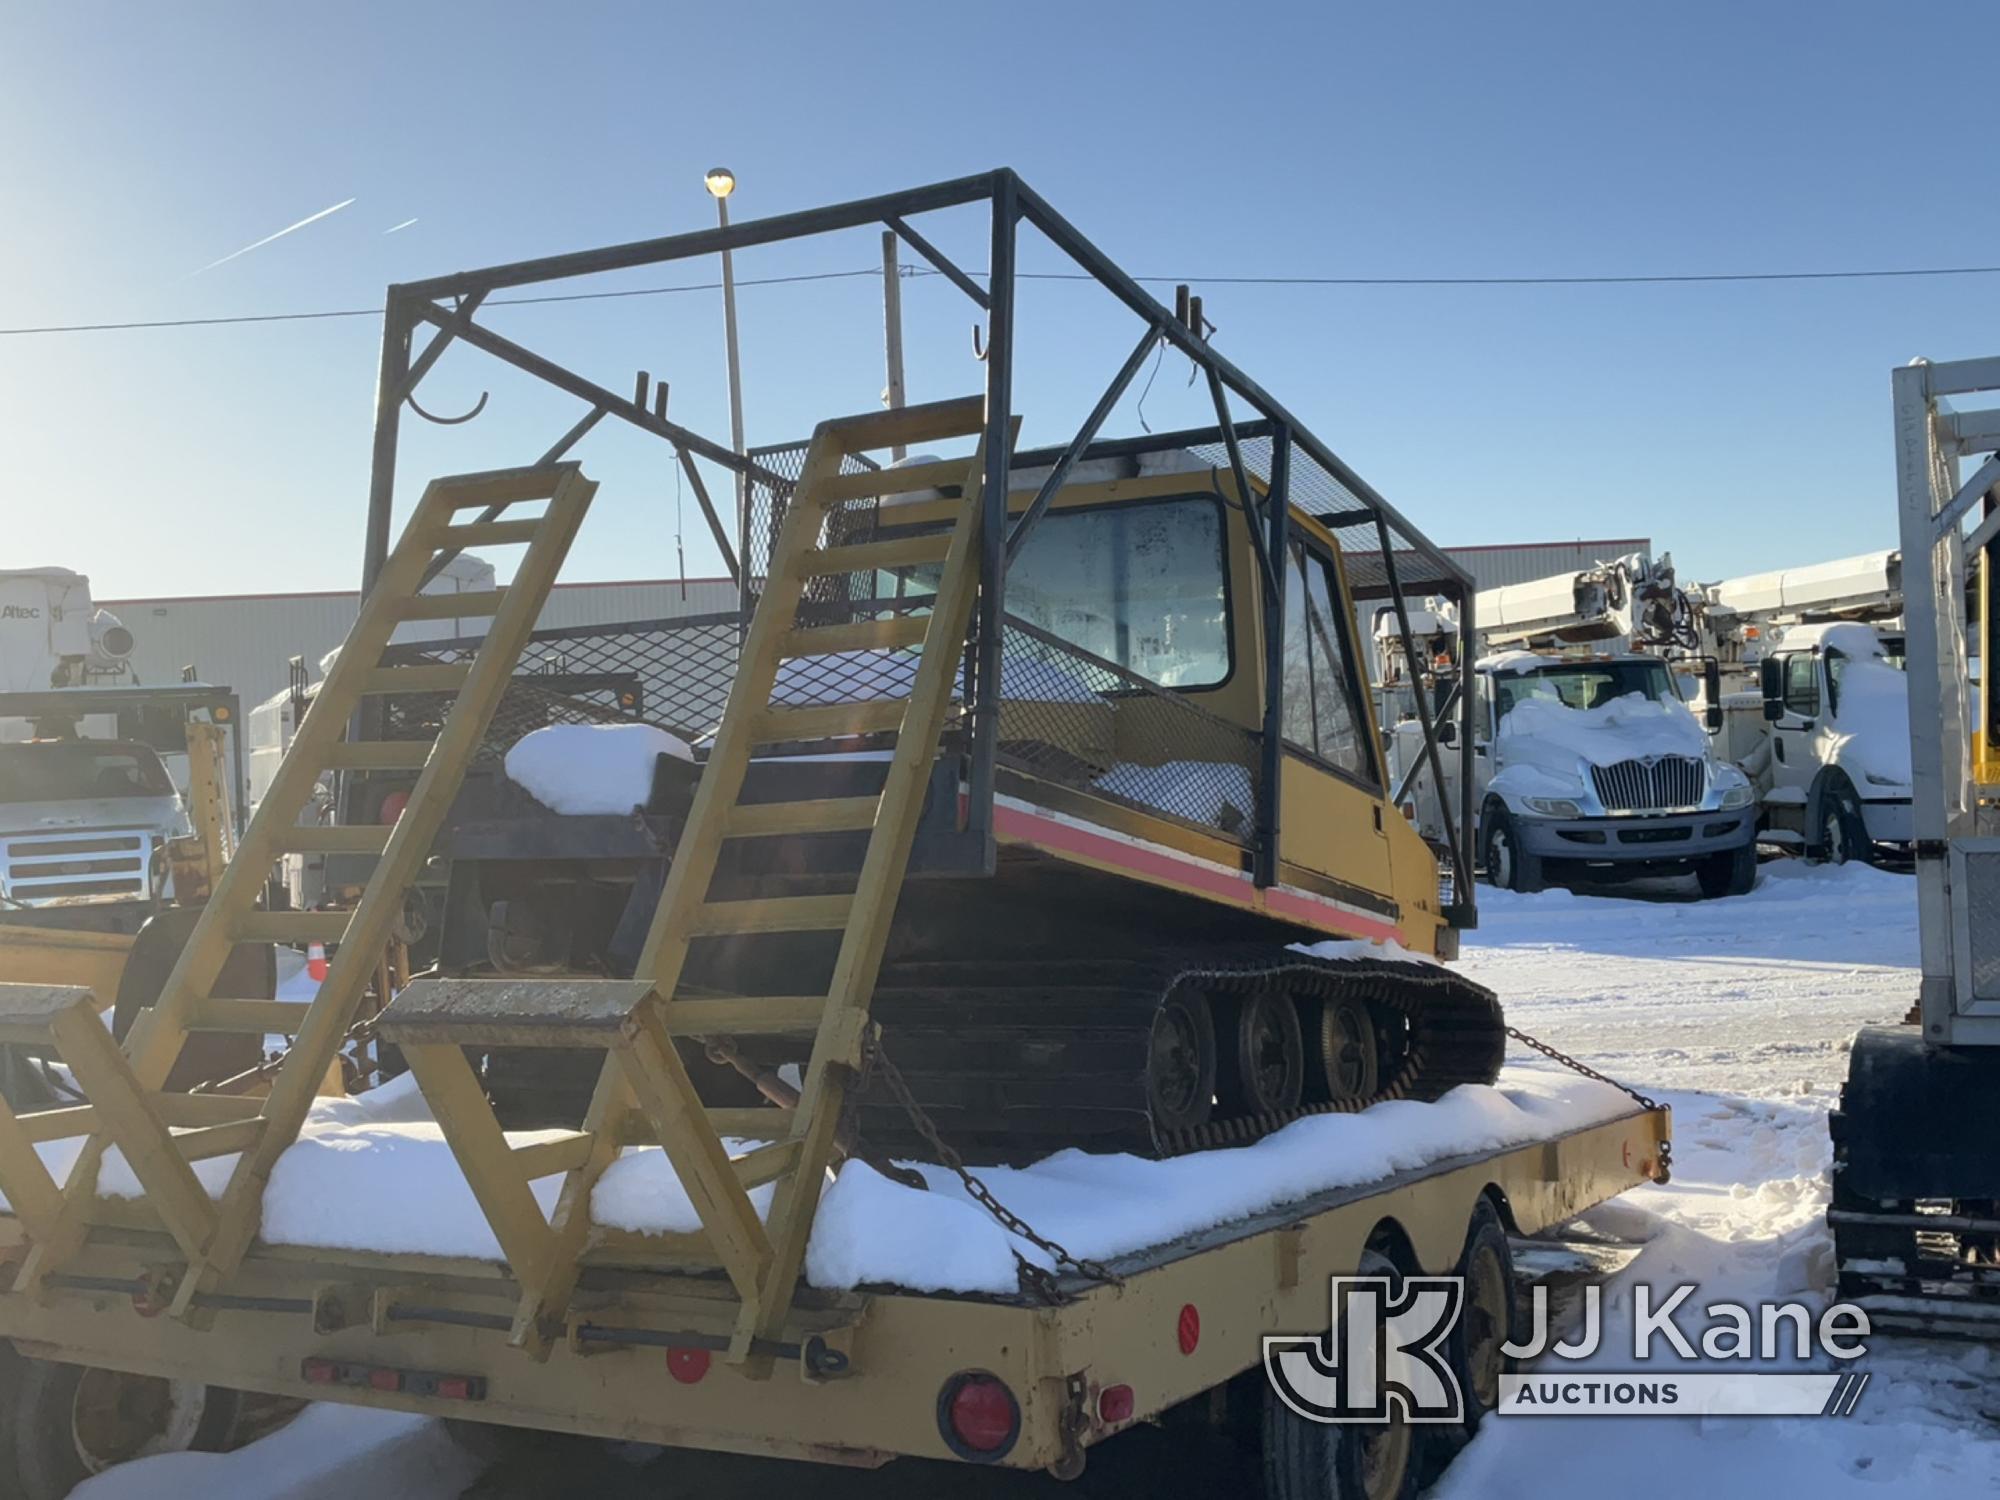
[[1490, 1316], [1731, 873], [1838, 835], [1508, 865], [42, 1449], [1308, 1460]]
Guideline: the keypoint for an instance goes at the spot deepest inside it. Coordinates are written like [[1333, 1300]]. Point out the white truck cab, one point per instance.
[[1837, 705]]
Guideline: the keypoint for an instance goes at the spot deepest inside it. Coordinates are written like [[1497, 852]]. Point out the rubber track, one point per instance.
[[1014, 1059]]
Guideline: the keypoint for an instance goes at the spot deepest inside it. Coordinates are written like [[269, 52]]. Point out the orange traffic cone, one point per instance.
[[316, 962]]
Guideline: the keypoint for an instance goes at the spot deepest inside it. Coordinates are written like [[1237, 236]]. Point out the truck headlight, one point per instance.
[[1875, 780], [1739, 796], [1553, 807]]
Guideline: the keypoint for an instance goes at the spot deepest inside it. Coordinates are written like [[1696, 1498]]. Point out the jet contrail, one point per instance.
[[394, 227], [310, 218]]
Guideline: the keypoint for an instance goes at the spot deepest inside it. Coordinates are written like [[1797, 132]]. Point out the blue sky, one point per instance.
[[1741, 426]]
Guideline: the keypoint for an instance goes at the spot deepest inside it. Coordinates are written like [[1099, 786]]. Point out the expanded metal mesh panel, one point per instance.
[[1982, 910], [1666, 784], [768, 500]]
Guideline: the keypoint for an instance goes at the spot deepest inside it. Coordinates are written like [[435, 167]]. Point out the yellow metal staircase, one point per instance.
[[645, 1092], [162, 1134]]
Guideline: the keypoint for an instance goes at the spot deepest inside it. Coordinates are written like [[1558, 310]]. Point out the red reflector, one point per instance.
[[1188, 1330], [392, 807], [1115, 1404], [687, 1365], [454, 1388], [320, 1371], [983, 1414], [385, 1380]]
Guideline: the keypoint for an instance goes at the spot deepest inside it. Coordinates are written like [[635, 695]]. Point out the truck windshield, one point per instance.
[[78, 770], [1585, 684]]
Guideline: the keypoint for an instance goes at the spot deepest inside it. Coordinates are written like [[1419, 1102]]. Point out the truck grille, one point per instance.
[[41, 867], [1667, 783]]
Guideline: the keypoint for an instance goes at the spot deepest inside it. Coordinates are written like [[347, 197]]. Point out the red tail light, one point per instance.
[[978, 1416], [392, 807], [1115, 1404]]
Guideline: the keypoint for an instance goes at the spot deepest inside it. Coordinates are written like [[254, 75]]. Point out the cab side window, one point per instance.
[[1323, 712], [1802, 684]]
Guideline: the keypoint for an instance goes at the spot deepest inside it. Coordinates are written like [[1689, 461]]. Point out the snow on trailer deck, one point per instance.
[[1735, 1011]]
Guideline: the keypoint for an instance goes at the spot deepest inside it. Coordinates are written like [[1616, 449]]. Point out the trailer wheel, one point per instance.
[[60, 1424], [1307, 1460], [1264, 1072], [1508, 865], [1490, 1316]]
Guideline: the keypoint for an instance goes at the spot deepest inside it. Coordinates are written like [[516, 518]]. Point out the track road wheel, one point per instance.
[[1308, 1460], [60, 1424], [1264, 1071], [1730, 873], [1349, 1060], [1180, 1066], [1508, 865]]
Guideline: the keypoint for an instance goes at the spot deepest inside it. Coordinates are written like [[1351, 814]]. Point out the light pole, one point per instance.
[[721, 182]]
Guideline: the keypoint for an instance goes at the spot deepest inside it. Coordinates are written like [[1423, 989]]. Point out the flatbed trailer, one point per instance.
[[859, 1378]]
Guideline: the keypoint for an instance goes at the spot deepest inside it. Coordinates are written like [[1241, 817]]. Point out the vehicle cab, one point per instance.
[[85, 819], [1837, 705]]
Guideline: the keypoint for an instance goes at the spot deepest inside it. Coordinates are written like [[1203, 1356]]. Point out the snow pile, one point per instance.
[[1624, 729], [591, 768], [871, 1230]]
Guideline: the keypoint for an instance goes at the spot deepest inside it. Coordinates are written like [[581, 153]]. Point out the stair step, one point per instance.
[[450, 606], [250, 1017], [441, 678], [489, 533], [757, 1123], [766, 1163], [378, 755], [894, 633], [290, 926], [332, 838], [867, 557], [499, 487], [208, 1141], [872, 482], [772, 914], [746, 1015], [825, 721], [749, 820]]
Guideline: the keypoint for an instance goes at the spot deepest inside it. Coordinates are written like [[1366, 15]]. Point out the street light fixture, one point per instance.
[[721, 182]]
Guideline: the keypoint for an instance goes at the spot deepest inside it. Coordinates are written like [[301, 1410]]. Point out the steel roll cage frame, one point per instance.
[[448, 304]]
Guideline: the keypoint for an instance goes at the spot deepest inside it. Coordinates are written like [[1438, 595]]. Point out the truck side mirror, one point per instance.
[[1448, 732], [1771, 678], [1711, 692]]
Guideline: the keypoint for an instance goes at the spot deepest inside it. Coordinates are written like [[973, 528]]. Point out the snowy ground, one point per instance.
[[1737, 1012]]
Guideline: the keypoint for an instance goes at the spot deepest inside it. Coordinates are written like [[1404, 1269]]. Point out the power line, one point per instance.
[[1665, 279]]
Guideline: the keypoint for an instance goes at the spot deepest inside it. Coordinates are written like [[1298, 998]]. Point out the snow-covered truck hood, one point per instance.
[[1870, 737], [1552, 736], [162, 816]]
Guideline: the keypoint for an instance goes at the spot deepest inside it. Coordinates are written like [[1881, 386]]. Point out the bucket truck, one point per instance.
[[1589, 761]]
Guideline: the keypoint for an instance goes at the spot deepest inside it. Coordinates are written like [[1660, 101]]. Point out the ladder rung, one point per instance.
[[378, 755], [251, 1017], [823, 721], [490, 533], [757, 1123], [447, 677], [745, 1015], [290, 926], [928, 422], [866, 557], [911, 477], [332, 838], [894, 633], [450, 606], [772, 914], [220, 1140], [750, 820], [546, 1158], [766, 1163]]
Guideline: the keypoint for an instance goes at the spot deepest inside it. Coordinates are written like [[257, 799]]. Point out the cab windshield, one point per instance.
[[78, 771], [1585, 684]]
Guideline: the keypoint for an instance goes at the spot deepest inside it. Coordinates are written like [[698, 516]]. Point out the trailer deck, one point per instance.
[[859, 1373]]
